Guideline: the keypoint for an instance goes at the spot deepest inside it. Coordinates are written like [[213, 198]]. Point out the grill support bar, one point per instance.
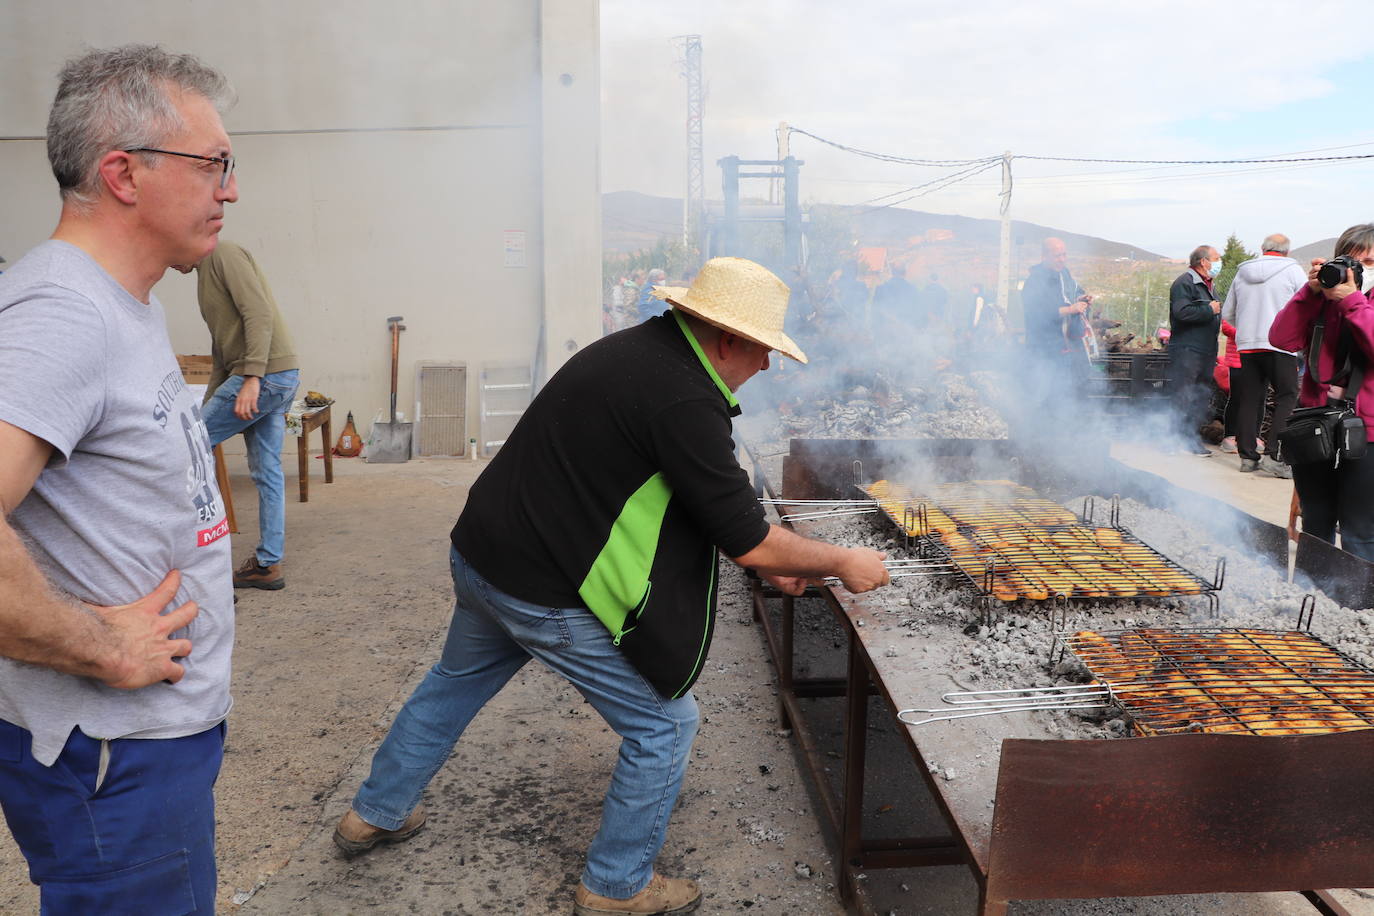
[[842, 814]]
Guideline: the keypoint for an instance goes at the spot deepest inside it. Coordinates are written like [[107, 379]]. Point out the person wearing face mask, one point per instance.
[[1341, 495], [1194, 321]]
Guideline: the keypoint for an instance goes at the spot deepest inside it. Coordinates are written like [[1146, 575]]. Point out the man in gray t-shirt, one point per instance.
[[116, 609]]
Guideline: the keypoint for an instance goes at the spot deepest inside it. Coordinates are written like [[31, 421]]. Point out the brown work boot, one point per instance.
[[355, 835], [660, 896], [251, 575]]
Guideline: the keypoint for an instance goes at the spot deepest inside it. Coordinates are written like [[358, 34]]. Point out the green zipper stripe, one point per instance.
[[617, 584], [701, 355], [706, 630]]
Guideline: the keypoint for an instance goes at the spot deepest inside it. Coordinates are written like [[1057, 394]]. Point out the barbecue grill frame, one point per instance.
[[810, 470]]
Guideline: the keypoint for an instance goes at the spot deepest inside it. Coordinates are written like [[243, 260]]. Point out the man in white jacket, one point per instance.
[[1262, 287]]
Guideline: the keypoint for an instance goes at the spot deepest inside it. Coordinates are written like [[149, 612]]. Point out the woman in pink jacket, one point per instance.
[[1342, 494]]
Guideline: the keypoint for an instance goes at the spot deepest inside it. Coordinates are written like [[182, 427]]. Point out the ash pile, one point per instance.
[[877, 405]]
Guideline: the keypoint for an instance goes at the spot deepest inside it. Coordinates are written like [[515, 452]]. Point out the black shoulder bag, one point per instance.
[[1332, 433]]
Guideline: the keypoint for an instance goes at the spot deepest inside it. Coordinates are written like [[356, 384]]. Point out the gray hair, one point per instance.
[[118, 99], [1356, 238], [1200, 253], [1277, 243]]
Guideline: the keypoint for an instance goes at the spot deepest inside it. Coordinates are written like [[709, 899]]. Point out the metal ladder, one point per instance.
[[503, 395]]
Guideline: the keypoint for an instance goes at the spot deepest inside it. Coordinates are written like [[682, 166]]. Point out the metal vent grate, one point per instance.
[[441, 397]]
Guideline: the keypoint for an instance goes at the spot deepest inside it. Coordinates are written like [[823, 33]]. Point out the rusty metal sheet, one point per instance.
[[1182, 814]]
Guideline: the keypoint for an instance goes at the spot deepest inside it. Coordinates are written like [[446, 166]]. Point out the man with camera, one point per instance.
[[1263, 285], [1194, 321], [1333, 316]]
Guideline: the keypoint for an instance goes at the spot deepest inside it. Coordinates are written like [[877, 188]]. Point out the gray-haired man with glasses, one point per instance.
[[116, 610], [225, 162]]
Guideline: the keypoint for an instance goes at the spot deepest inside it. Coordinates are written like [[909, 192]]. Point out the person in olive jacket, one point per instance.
[[1194, 322]]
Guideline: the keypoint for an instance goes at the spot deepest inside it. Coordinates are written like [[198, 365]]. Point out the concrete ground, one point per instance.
[[322, 667], [1259, 493]]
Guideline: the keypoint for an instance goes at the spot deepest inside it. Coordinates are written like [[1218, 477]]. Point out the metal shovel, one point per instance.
[[391, 440]]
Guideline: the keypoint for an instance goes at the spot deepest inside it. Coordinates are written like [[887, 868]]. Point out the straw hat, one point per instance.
[[741, 297]]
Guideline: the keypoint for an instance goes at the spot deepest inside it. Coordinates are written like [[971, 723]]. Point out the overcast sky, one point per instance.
[[961, 80]]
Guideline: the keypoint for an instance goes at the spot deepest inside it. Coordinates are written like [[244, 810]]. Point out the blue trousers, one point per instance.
[[492, 635], [115, 827], [263, 435]]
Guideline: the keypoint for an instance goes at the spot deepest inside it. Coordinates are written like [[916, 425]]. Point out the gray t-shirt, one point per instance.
[[128, 495]]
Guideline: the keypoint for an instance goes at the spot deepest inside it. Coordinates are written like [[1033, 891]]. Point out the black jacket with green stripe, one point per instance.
[[614, 492]]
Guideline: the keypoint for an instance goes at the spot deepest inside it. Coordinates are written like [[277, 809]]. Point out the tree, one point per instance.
[[668, 253], [1232, 256]]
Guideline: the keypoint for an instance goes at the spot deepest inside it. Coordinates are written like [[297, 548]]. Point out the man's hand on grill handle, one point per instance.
[[785, 559], [863, 570], [788, 585]]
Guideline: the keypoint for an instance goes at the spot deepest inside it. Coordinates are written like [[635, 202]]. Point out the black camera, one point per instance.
[[1332, 273]]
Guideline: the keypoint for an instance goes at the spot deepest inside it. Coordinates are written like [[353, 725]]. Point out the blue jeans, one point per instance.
[[491, 636], [134, 836], [263, 435]]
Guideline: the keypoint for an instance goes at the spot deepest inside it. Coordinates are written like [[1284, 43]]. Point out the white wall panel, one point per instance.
[[385, 149]]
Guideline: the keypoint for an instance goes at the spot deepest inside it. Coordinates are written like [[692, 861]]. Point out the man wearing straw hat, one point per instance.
[[590, 543]]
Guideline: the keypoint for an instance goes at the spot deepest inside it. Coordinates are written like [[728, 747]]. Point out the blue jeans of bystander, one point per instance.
[[491, 636], [263, 436]]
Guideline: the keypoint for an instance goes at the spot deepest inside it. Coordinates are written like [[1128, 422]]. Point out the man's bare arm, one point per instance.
[[124, 646], [788, 559]]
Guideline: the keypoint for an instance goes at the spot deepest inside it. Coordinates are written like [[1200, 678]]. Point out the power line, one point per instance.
[[887, 157], [973, 169], [1255, 161], [938, 184], [1107, 178]]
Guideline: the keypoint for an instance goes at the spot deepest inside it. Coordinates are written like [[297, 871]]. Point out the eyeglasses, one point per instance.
[[226, 162]]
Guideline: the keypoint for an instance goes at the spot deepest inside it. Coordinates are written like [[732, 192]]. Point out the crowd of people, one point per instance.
[[1275, 359], [1294, 337]]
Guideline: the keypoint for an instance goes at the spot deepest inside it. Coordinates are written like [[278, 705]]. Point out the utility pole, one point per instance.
[[784, 150], [1004, 256], [694, 200], [1145, 318]]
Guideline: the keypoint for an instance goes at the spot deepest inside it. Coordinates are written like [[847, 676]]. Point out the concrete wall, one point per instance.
[[389, 154]]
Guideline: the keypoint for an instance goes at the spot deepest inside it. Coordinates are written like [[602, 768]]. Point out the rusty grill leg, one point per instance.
[[785, 667], [855, 744], [1325, 903]]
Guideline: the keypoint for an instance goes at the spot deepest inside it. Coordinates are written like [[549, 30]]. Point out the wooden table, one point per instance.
[[315, 418], [222, 478]]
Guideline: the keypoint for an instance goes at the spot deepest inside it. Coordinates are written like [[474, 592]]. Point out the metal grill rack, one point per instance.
[[1262, 682], [1011, 544]]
